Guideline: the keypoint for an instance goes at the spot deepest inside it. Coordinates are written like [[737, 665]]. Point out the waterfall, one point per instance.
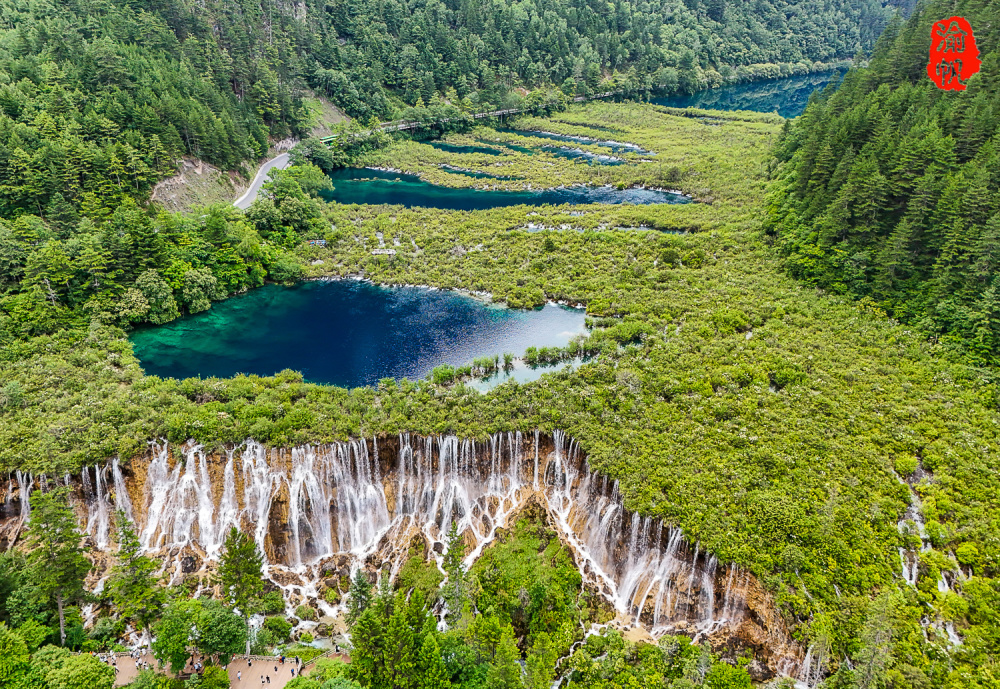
[[24, 485], [910, 559], [122, 501], [364, 502]]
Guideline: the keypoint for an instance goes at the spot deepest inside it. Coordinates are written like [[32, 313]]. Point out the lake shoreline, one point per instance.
[[484, 297]]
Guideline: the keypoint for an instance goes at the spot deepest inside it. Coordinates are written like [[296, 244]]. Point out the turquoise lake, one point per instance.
[[353, 333], [348, 333], [788, 97]]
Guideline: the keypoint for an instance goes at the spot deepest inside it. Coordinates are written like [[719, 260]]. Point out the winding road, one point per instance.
[[281, 162]]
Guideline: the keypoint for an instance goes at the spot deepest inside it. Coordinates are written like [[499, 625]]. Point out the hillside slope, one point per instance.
[[98, 99], [890, 189]]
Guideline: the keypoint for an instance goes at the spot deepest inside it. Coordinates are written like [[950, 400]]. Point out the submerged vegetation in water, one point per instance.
[[769, 420]]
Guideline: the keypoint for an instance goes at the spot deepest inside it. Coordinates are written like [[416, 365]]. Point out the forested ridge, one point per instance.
[[890, 188], [97, 99]]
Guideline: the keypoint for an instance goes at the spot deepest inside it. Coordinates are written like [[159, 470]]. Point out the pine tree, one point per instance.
[[56, 558], [454, 590], [241, 575], [430, 665], [505, 670], [359, 597], [133, 584], [541, 662]]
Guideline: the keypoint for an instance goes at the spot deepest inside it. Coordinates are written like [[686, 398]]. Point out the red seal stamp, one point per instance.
[[954, 55]]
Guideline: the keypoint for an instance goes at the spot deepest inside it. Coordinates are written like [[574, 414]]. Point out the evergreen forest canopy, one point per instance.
[[98, 99], [890, 191], [779, 420]]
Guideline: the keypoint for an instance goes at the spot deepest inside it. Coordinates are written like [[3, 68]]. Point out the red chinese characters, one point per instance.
[[954, 55]]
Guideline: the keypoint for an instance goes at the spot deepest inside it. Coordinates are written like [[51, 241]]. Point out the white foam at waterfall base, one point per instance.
[[340, 504]]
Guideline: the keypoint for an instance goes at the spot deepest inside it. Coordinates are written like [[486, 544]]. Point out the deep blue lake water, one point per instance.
[[347, 333], [788, 97], [363, 185], [352, 333]]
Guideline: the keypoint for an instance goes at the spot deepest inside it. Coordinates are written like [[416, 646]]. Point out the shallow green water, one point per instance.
[[616, 146], [583, 156], [471, 173], [456, 148]]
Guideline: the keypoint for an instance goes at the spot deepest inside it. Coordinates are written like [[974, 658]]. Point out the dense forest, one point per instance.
[[791, 430], [890, 190], [98, 99], [798, 434], [525, 592]]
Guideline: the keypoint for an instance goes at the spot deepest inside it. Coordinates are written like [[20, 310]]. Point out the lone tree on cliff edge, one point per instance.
[[241, 575], [134, 586], [58, 564]]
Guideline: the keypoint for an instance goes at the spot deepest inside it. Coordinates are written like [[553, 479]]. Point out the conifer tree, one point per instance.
[[133, 585], [241, 576], [431, 668], [505, 670], [359, 597], [56, 558], [454, 590]]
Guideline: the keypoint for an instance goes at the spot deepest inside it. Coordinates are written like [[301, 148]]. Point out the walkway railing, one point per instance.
[[404, 125], [342, 654]]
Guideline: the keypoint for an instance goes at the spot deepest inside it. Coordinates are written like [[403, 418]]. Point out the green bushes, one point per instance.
[[679, 410], [529, 581], [419, 574], [279, 626], [443, 374], [273, 603], [305, 612]]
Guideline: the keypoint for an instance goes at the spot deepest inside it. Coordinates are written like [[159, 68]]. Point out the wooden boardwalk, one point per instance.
[[244, 672], [402, 125]]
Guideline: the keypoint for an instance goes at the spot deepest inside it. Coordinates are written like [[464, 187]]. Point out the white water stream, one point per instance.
[[313, 503]]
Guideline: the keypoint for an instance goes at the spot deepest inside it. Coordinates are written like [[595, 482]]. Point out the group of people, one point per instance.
[[138, 656], [265, 678], [109, 659]]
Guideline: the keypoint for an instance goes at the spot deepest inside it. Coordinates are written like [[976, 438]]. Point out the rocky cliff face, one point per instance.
[[318, 513]]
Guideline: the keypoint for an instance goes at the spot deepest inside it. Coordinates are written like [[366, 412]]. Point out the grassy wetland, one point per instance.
[[776, 424]]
